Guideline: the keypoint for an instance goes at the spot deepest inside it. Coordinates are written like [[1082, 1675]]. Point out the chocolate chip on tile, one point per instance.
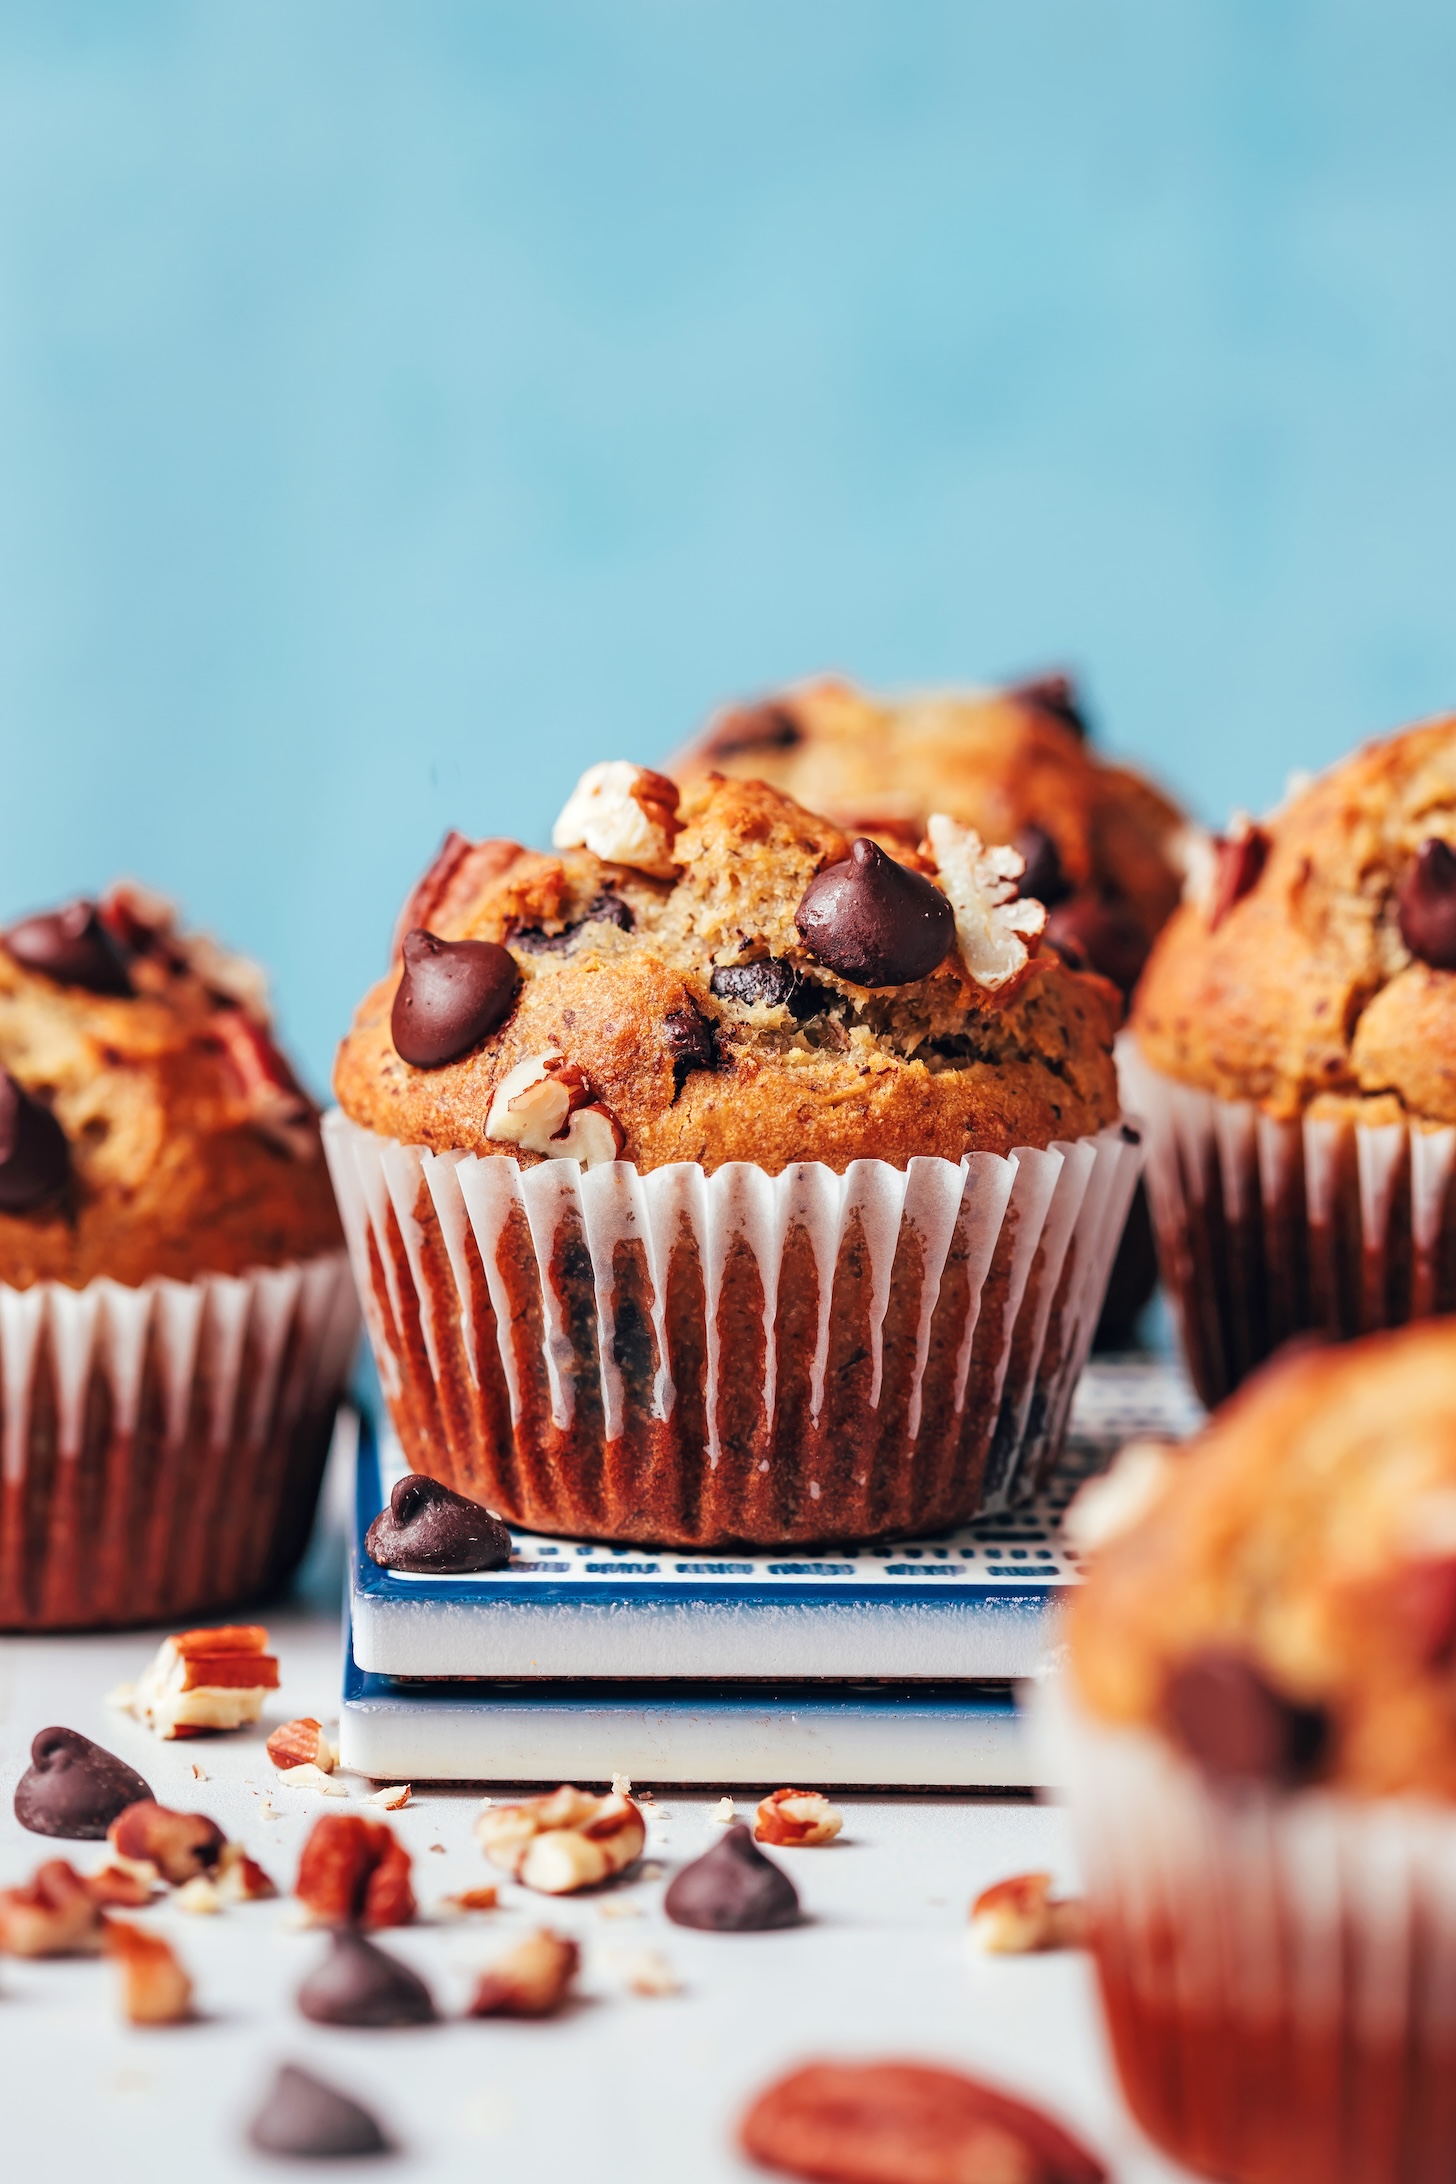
[[692, 1041], [1055, 695], [1043, 880], [427, 1527], [733, 1889], [452, 994], [71, 946], [773, 983], [73, 1788], [359, 1984], [303, 2119], [1237, 1726], [1239, 861], [874, 921], [35, 1160], [1426, 904], [754, 728], [1102, 936]]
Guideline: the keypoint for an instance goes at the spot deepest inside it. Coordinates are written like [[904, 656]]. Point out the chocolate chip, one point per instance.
[[358, 1984], [452, 993], [1043, 880], [772, 983], [1237, 1726], [306, 2120], [427, 1527], [692, 1041], [1054, 695], [73, 1788], [604, 909], [71, 946], [754, 728], [1426, 905], [1103, 935], [874, 921], [1239, 862], [35, 1160], [733, 1889]]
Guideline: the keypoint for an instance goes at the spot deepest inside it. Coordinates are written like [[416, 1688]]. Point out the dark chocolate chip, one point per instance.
[[692, 1041], [1103, 935], [875, 921], [427, 1527], [74, 1788], [1237, 1726], [1426, 905], [452, 993], [35, 1160], [772, 983], [1056, 696], [604, 909], [1043, 880], [1238, 864], [733, 1889], [359, 1984], [306, 2120], [71, 946], [754, 728]]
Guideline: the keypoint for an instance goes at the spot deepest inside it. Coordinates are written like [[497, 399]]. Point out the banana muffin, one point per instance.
[[635, 1134], [1294, 1052], [1104, 849], [174, 1301], [1261, 1733]]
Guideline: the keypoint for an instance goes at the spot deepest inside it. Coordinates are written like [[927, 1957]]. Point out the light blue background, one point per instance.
[[401, 406]]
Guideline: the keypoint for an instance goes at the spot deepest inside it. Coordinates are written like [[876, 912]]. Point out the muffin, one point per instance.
[[176, 1314], [1293, 1050], [1260, 1744], [1103, 848], [715, 1179]]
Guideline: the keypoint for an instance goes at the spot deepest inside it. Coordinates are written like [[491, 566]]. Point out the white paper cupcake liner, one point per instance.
[[161, 1446], [1268, 1228], [1278, 1970], [697, 1358]]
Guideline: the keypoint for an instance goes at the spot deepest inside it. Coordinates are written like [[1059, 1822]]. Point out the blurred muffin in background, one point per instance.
[[1293, 1054], [1103, 847], [175, 1311], [1259, 1740]]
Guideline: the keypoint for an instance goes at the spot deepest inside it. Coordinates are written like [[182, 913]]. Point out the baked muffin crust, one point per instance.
[[617, 977], [1310, 1531]]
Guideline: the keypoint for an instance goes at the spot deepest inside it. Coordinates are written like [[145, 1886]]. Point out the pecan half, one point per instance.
[[355, 1872]]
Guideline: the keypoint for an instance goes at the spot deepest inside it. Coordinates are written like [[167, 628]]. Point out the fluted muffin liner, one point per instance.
[[1268, 1228], [1278, 1970], [694, 1359], [161, 1446]]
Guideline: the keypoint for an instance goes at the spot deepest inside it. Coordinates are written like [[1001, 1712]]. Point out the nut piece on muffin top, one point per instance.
[[1103, 848], [1282, 1607], [734, 979], [1315, 971], [148, 1123]]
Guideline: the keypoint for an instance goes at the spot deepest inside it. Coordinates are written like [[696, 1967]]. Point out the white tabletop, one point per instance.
[[623, 2086]]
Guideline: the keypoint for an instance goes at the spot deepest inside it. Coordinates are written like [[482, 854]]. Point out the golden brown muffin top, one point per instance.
[[1285, 1608], [148, 1124], [662, 1004], [1320, 963], [1100, 843]]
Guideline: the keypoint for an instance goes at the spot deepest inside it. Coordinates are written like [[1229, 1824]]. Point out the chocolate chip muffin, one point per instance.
[[1293, 1042], [1104, 849], [174, 1301], [719, 1177], [1262, 1744]]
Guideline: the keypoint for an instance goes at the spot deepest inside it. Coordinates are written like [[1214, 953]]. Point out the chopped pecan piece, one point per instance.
[[204, 1680], [155, 1990], [562, 1842], [55, 1913], [1017, 1916], [530, 1980], [302, 1744], [797, 1819], [175, 1846], [355, 1872]]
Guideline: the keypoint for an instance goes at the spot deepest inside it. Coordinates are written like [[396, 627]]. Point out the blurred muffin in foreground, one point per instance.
[[175, 1316], [1260, 1740], [1293, 1054]]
